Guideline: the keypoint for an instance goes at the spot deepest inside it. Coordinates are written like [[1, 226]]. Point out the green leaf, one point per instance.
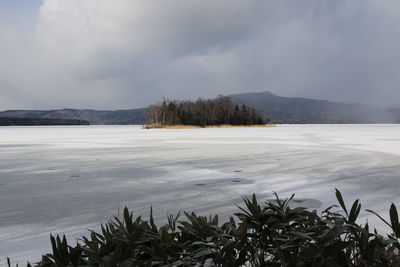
[[152, 224], [204, 252], [341, 202], [302, 235], [380, 217], [394, 219], [354, 212]]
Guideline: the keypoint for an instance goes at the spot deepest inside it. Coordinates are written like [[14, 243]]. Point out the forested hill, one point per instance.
[[303, 110], [39, 122], [278, 109], [131, 116]]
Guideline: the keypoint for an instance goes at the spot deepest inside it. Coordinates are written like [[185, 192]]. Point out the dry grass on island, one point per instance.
[[180, 126]]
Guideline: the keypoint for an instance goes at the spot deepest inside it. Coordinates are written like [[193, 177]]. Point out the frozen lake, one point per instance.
[[69, 179]]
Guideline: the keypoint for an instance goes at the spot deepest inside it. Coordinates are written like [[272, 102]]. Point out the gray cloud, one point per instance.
[[124, 53]]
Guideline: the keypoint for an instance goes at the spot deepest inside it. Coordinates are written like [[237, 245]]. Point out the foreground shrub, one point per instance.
[[274, 234]]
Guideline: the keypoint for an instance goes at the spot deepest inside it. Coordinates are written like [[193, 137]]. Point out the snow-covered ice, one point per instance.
[[69, 179]]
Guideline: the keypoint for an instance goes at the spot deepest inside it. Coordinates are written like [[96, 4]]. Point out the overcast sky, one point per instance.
[[113, 54]]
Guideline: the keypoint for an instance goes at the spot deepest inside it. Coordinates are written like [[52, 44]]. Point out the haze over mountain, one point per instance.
[[277, 108], [304, 110]]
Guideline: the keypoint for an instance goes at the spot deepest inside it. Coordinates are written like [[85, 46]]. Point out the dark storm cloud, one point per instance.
[[124, 53]]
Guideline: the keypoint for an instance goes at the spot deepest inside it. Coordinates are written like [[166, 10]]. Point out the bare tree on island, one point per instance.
[[203, 112]]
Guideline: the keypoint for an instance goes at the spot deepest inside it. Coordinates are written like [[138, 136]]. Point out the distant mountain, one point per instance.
[[303, 110], [39, 122], [132, 116], [277, 108]]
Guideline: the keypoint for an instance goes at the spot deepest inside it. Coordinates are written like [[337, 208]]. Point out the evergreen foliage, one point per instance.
[[272, 234], [217, 111]]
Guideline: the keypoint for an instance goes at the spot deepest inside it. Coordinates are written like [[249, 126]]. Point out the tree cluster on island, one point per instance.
[[203, 112]]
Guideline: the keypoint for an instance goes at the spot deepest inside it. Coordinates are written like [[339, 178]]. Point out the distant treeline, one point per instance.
[[39, 122], [202, 112]]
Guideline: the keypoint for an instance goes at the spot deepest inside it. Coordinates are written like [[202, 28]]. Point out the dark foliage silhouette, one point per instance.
[[272, 234], [217, 111]]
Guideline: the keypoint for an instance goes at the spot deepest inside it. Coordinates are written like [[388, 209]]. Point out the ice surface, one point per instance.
[[69, 179]]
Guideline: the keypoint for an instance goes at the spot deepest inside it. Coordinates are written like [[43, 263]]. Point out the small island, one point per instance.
[[219, 112]]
